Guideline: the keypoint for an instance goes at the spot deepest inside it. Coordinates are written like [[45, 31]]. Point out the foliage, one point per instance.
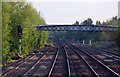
[[78, 35], [115, 36], [76, 23], [118, 34], [87, 22], [93, 36], [21, 13], [98, 23]]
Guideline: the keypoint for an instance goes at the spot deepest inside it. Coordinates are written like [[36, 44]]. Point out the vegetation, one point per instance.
[[101, 39], [0, 25], [87, 22], [21, 13], [79, 36]]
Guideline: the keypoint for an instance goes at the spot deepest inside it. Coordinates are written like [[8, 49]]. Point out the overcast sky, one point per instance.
[[67, 12]]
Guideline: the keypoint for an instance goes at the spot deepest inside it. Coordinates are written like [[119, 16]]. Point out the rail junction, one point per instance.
[[67, 60]]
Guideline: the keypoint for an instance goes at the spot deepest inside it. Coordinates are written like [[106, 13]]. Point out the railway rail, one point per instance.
[[78, 65], [110, 54], [105, 57], [41, 67], [22, 66], [65, 60], [20, 62], [103, 51], [100, 69], [60, 65]]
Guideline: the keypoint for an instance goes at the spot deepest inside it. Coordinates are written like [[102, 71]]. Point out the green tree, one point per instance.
[[21, 13], [98, 23], [87, 22], [6, 9], [76, 23]]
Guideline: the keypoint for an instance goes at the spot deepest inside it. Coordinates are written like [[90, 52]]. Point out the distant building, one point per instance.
[[119, 9]]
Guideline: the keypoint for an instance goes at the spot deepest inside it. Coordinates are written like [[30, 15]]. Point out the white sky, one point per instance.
[[67, 12]]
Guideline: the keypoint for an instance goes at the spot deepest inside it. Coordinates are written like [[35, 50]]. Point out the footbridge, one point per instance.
[[108, 28]]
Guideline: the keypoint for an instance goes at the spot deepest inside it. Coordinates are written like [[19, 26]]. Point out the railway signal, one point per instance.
[[20, 36], [19, 31]]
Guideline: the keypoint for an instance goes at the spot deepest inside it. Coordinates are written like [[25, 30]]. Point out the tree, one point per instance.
[[88, 22], [118, 34], [76, 23], [21, 13], [98, 23], [112, 21]]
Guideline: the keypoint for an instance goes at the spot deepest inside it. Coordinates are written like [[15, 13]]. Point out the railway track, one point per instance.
[[41, 67], [64, 60], [104, 52], [78, 66], [105, 57], [110, 54], [99, 68], [20, 68], [20, 62], [60, 66]]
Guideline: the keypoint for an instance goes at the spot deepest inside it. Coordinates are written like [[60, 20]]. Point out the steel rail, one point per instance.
[[32, 67], [113, 54], [95, 74], [116, 74], [8, 72], [56, 56], [68, 63], [108, 51]]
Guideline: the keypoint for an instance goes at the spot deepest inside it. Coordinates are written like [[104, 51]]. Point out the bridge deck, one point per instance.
[[77, 28]]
